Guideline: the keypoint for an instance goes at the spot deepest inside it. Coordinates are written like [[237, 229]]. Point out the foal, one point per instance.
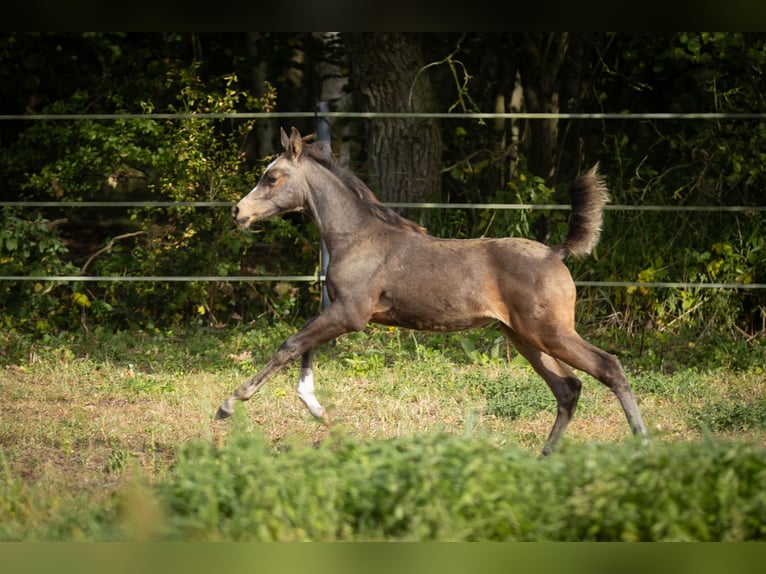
[[385, 269]]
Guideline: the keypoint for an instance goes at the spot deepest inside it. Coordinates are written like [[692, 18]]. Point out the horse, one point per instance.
[[386, 269]]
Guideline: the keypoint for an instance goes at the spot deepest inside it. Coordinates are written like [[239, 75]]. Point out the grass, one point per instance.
[[90, 422]]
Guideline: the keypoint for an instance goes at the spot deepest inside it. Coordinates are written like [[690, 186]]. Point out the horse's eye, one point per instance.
[[271, 180]]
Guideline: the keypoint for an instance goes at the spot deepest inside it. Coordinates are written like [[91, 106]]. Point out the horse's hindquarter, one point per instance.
[[434, 284], [535, 286]]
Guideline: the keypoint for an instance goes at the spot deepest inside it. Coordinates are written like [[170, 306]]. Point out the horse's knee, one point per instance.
[[288, 351], [286, 348]]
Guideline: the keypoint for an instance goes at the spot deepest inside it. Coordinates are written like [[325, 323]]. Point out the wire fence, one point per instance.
[[416, 205], [393, 115], [710, 116]]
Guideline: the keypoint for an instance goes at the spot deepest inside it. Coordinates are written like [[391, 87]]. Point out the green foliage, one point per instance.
[[37, 513], [699, 163], [31, 247], [184, 160], [649, 162], [681, 348], [701, 492], [448, 488], [192, 161], [230, 483]]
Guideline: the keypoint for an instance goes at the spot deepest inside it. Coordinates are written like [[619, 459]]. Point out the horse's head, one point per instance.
[[281, 189]]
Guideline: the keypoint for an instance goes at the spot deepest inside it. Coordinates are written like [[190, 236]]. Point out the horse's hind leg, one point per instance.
[[561, 380], [578, 353]]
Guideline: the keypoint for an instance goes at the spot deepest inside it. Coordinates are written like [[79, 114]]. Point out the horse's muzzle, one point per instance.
[[239, 218]]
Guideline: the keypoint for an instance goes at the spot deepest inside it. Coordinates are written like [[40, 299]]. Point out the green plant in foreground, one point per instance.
[[448, 488]]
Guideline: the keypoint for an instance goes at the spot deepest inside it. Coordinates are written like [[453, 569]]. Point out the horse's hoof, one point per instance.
[[222, 414], [224, 411]]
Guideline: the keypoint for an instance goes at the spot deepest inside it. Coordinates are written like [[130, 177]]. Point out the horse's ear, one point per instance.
[[295, 144], [284, 138]]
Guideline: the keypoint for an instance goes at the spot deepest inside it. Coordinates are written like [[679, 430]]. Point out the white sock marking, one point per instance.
[[306, 393]]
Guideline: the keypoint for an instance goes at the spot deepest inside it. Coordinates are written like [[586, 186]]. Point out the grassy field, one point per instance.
[[89, 425]]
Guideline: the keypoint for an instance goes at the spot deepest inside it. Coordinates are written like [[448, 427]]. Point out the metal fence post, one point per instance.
[[323, 135]]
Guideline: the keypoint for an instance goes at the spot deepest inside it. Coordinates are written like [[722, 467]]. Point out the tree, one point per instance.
[[542, 57], [404, 155], [663, 162]]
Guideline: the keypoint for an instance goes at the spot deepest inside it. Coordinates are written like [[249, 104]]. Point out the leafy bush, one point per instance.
[[181, 160], [32, 247], [448, 488]]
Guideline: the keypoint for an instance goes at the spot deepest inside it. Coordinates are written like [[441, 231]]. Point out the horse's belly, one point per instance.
[[426, 324], [430, 314]]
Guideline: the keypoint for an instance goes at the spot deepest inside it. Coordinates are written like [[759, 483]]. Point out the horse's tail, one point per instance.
[[589, 194]]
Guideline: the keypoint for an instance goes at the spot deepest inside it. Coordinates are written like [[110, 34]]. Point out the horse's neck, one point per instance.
[[337, 211]]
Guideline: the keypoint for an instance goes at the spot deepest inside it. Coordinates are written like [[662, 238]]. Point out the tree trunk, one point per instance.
[[404, 155], [333, 89], [542, 56], [266, 130]]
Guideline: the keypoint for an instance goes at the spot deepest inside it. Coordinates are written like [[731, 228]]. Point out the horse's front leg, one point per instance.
[[248, 388], [318, 330]]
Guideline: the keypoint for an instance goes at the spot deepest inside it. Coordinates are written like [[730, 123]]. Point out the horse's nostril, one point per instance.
[[234, 211]]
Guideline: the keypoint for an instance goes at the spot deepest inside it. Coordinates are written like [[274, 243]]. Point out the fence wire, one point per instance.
[[393, 115], [397, 205], [320, 278], [379, 115]]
